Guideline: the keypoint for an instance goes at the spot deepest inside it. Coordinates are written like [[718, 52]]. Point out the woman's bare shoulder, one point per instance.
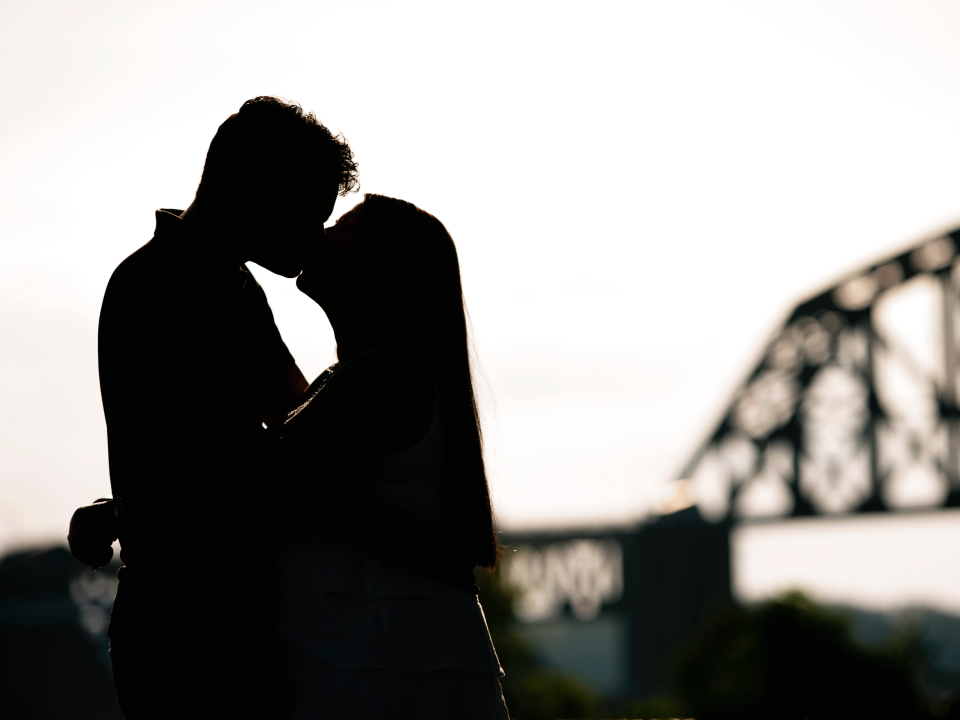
[[386, 370], [378, 403]]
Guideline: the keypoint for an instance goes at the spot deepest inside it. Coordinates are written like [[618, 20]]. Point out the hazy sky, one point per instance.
[[639, 192]]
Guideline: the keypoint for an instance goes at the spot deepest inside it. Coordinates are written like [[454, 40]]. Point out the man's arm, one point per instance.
[[218, 422]]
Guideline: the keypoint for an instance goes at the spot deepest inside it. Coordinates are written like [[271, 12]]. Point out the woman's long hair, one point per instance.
[[415, 291]]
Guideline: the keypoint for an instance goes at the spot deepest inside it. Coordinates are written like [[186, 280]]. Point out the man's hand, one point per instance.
[[93, 528]]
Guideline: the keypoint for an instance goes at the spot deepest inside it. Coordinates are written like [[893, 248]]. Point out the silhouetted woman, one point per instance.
[[389, 509]]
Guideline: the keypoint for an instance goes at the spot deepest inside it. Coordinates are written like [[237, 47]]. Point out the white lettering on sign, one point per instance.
[[584, 573], [93, 594]]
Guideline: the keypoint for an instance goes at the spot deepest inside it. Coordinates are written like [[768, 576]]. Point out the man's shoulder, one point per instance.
[[147, 265], [143, 287], [136, 273]]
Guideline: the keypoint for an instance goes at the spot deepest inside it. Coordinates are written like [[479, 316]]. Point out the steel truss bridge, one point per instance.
[[853, 407]]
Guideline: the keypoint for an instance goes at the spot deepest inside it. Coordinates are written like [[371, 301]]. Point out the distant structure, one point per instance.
[[851, 409], [615, 606]]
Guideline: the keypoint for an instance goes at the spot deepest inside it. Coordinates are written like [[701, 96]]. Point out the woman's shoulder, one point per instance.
[[378, 403], [392, 370]]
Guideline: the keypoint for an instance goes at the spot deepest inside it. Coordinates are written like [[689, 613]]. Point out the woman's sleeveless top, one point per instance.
[[349, 609]]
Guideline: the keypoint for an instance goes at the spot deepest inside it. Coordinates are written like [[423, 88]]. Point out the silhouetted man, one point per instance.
[[191, 365]]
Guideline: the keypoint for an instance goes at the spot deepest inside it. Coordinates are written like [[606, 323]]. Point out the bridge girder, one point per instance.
[[839, 416]]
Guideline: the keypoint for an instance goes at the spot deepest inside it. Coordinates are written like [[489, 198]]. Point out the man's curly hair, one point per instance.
[[272, 142]]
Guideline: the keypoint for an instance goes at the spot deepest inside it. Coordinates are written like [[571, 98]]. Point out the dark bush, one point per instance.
[[789, 658], [531, 692]]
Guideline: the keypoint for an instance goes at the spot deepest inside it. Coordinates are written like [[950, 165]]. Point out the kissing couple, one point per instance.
[[292, 549]]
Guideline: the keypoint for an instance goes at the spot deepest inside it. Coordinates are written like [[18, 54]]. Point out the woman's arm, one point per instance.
[[377, 405]]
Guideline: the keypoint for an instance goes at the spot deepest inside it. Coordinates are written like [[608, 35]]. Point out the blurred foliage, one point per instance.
[[53, 673], [531, 692], [547, 695], [783, 659], [50, 667], [660, 706], [789, 658]]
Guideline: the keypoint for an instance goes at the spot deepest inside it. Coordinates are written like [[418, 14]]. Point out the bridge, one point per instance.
[[851, 408], [841, 415]]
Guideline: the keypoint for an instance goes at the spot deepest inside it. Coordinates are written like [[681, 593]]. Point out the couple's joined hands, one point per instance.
[[93, 528]]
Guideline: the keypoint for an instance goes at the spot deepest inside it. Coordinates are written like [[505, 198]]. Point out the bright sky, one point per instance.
[[869, 561], [639, 192]]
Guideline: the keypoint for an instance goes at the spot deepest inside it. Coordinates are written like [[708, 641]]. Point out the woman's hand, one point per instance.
[[93, 528]]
